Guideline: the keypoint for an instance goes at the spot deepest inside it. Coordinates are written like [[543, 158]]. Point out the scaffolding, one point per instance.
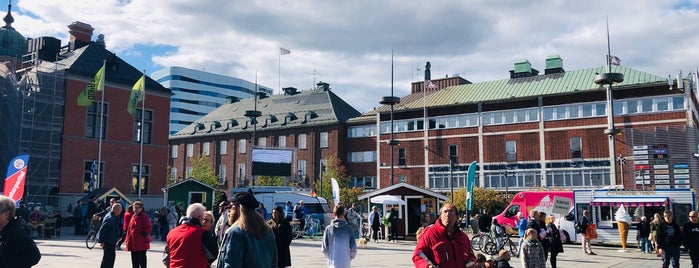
[[42, 89]]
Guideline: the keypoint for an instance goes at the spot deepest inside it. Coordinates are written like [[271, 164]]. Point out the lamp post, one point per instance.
[[391, 100], [452, 162], [252, 115], [607, 79]]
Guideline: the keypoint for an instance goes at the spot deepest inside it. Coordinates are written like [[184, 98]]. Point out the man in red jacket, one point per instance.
[[444, 244], [186, 242]]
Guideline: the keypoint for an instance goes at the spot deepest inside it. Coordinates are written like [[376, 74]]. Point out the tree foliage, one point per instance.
[[204, 172], [491, 199], [269, 181], [335, 169]]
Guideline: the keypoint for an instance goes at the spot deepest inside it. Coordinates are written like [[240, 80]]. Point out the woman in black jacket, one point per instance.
[[282, 233], [555, 243]]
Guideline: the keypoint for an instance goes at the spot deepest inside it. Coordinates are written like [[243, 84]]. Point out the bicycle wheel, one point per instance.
[[91, 239], [490, 248], [476, 242], [511, 247]]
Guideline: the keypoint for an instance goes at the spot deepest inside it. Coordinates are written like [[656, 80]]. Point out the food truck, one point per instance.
[[557, 203], [603, 204]]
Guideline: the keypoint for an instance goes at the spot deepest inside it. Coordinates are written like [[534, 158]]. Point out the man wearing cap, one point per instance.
[[289, 211], [250, 241], [186, 242]]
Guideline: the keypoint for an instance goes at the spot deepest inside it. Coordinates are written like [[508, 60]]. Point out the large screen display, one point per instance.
[[271, 162]]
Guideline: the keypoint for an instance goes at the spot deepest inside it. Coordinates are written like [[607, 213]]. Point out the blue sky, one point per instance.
[[348, 44]]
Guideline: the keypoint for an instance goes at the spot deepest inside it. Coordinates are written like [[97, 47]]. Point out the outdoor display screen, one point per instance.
[[271, 162]]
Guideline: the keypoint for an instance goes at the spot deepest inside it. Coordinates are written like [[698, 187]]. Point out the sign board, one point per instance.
[[686, 186], [662, 171], [640, 147], [662, 187], [662, 181], [681, 181], [683, 171], [680, 166], [561, 205], [681, 176], [641, 162], [660, 166], [662, 177]]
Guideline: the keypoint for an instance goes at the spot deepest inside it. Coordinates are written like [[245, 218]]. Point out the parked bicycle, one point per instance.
[[479, 240], [91, 239], [492, 248], [311, 229]]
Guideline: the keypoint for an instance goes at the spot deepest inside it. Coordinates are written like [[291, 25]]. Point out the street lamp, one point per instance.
[[607, 79], [391, 100]]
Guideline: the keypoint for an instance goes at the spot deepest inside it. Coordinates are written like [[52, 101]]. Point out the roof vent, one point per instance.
[[289, 91], [554, 64], [261, 95], [233, 99], [523, 69], [322, 86]]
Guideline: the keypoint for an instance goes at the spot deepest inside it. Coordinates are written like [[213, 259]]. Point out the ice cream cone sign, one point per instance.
[[623, 220]]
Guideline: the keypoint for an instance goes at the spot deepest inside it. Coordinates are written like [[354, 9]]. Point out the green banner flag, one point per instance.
[[136, 95], [88, 94]]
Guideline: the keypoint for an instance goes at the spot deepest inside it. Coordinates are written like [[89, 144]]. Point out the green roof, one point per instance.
[[527, 87]]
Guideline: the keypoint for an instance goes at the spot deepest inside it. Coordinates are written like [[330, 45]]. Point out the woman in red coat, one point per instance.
[[138, 236]]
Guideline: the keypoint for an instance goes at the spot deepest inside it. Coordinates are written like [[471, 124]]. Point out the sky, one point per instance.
[[365, 49]]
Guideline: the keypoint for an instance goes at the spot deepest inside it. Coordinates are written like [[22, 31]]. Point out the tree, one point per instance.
[[335, 169], [482, 198], [269, 181], [203, 172]]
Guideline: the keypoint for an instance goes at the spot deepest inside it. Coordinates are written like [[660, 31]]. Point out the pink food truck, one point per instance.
[[558, 203]]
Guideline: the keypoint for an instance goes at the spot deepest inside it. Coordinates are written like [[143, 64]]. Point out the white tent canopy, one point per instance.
[[388, 200]]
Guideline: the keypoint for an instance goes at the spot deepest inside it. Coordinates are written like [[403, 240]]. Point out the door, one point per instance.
[[413, 215], [197, 197]]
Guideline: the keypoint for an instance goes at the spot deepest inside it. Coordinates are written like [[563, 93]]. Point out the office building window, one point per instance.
[[173, 152], [145, 174], [92, 124], [242, 143], [453, 154], [206, 147], [221, 174], [262, 142], [401, 156], [576, 148], [511, 151], [324, 140], [190, 150], [92, 178], [173, 174], [146, 130], [302, 141], [282, 141], [222, 147]]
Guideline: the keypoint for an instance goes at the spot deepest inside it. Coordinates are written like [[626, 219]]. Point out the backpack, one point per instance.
[[578, 228]]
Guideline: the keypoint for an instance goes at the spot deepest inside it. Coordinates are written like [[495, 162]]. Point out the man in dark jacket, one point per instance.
[[109, 234], [643, 228], [669, 239], [484, 221], [691, 237], [17, 249]]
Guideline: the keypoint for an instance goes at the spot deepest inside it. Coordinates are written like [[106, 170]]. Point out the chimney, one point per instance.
[[523, 69], [100, 40], [80, 34], [289, 91], [322, 86], [554, 64]]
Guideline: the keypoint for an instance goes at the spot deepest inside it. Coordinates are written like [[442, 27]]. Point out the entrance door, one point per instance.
[[197, 197], [413, 215]]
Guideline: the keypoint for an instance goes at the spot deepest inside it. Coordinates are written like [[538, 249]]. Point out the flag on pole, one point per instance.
[[93, 171], [614, 60], [16, 174], [336, 190], [136, 95], [284, 51], [470, 181], [88, 94]]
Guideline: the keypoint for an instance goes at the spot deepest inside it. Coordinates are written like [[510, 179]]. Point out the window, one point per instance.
[[145, 131], [511, 151], [453, 154], [262, 142], [324, 140], [678, 103], [241, 146], [241, 171], [576, 148], [190, 150], [401, 156], [366, 182], [362, 131], [302, 141], [92, 178], [189, 171], [647, 105], [145, 174], [302, 167], [173, 152], [222, 147], [362, 157], [92, 123], [401, 178], [206, 147], [282, 141], [173, 173], [221, 174]]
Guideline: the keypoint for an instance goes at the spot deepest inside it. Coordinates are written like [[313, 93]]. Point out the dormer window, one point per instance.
[[308, 116], [288, 118]]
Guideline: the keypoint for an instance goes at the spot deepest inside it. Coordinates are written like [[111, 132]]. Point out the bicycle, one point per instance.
[[311, 229], [479, 240], [91, 239], [491, 248]]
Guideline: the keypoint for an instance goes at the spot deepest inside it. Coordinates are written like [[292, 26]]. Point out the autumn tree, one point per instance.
[[203, 172], [269, 181], [335, 169], [491, 199]]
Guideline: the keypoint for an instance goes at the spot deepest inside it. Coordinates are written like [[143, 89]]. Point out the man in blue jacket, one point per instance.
[[109, 234]]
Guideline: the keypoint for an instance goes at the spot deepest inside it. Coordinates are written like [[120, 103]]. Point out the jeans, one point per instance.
[[109, 256], [138, 259], [671, 254], [694, 255], [645, 245], [519, 245]]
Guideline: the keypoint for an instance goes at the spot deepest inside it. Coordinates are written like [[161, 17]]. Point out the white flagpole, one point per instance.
[[143, 116], [279, 69], [101, 117]]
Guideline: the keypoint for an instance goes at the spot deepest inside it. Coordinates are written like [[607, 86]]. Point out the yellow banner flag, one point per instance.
[[137, 94], [88, 94]]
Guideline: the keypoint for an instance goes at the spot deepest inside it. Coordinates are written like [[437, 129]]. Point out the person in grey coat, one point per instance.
[[339, 246]]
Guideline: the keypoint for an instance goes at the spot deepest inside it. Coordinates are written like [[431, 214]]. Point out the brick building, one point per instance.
[[532, 131], [309, 123]]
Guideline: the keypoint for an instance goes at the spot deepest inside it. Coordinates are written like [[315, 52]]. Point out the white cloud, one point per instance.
[[349, 43]]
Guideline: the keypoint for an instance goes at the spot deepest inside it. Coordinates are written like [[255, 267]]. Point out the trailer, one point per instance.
[[603, 204]]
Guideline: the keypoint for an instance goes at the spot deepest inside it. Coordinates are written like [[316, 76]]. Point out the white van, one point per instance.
[[277, 196]]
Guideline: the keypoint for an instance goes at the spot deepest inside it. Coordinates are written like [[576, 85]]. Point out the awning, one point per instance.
[[630, 201]]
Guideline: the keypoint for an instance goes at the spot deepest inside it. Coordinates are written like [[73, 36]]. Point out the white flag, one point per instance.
[[284, 51], [614, 60]]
